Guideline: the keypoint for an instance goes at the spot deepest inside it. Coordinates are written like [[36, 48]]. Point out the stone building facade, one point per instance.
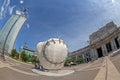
[[81, 53], [102, 42]]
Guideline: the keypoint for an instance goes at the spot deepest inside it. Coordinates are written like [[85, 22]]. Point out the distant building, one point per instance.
[[10, 31], [102, 42], [81, 53], [27, 50]]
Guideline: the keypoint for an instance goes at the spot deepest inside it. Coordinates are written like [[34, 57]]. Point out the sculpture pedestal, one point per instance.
[[56, 73]]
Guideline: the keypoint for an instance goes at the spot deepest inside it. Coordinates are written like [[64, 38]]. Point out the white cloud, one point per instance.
[[11, 9], [21, 1], [28, 26], [109, 9], [4, 8], [1, 12], [113, 1], [105, 11], [76, 42], [8, 2], [18, 12]]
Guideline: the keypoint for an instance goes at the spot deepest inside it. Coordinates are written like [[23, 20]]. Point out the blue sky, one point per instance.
[[71, 20]]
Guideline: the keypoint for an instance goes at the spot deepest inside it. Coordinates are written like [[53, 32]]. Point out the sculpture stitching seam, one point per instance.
[[46, 56]]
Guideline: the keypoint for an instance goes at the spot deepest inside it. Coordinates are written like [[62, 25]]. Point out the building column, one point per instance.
[[94, 54], [83, 56], [113, 45], [76, 57], [104, 50], [119, 40]]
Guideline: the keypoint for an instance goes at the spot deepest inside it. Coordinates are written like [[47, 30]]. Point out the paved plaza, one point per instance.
[[105, 68]]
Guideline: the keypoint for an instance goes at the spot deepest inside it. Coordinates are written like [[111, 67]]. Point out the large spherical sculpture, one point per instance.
[[52, 53]]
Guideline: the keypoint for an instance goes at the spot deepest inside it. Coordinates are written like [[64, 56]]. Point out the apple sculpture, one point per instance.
[[52, 53]]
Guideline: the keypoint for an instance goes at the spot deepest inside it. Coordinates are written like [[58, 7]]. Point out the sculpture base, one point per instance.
[[56, 73]]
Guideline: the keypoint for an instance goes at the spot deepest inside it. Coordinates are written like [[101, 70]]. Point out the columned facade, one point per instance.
[[113, 44], [105, 44], [102, 42], [82, 53], [104, 50]]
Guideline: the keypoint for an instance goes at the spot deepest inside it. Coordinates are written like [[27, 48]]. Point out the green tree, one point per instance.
[[14, 54], [79, 60], [68, 61], [34, 59], [29, 58], [24, 56]]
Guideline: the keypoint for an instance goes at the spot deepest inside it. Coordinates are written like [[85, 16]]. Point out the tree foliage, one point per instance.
[[79, 60], [34, 59], [24, 56], [68, 61], [29, 58], [14, 54]]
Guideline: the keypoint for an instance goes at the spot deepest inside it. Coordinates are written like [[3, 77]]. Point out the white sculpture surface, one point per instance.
[[52, 53]]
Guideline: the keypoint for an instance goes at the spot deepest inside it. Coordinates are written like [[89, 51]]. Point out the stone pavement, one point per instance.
[[9, 65], [112, 73], [102, 72], [108, 71], [101, 69], [18, 71], [116, 61], [3, 64]]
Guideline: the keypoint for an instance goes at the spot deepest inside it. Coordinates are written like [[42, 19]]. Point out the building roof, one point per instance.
[[103, 32], [80, 51]]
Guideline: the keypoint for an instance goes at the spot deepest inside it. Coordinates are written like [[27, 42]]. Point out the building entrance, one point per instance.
[[109, 48], [116, 42], [99, 51]]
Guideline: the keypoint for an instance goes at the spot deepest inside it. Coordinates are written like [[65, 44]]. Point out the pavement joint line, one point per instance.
[[24, 67], [84, 67], [108, 71], [102, 72], [112, 73], [17, 70], [10, 63], [95, 66], [89, 65], [3, 64], [17, 64], [92, 69], [17, 61], [115, 58]]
